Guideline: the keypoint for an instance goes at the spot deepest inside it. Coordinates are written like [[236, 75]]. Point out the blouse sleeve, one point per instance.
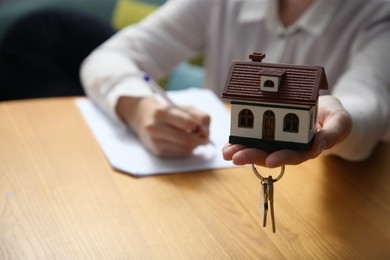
[[174, 32], [364, 91]]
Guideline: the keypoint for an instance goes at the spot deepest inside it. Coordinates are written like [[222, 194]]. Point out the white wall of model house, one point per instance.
[[306, 115]]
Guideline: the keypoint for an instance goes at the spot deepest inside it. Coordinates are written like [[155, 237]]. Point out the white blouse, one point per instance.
[[350, 38]]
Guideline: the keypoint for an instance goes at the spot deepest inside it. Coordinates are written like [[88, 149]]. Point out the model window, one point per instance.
[[245, 119], [269, 84], [291, 123]]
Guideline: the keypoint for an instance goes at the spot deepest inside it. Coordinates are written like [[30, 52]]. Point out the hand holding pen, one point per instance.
[[200, 129], [167, 130]]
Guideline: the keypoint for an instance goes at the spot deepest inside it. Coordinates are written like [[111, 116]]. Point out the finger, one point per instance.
[[229, 150], [175, 137], [287, 157], [203, 121], [202, 117], [178, 118], [336, 127], [250, 156], [335, 122], [226, 146]]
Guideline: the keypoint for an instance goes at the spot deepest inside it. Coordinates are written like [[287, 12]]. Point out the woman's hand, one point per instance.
[[166, 131], [333, 125]]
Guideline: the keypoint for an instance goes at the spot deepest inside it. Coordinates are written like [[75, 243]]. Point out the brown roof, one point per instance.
[[300, 84]]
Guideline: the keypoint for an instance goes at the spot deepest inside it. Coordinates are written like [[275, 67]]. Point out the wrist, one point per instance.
[[132, 110]]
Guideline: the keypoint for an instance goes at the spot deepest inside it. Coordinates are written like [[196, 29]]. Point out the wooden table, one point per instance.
[[60, 199]]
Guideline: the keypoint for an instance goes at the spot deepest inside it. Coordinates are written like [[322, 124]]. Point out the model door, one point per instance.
[[269, 126]]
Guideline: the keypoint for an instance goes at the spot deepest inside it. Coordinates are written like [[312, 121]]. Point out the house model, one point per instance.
[[273, 106]]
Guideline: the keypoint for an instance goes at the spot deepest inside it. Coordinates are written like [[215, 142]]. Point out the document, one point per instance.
[[125, 153]]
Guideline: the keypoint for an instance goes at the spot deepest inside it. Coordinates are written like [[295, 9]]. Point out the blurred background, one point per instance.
[[119, 13]]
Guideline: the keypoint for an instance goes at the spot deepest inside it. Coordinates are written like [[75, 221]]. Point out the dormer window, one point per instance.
[[270, 79], [269, 84]]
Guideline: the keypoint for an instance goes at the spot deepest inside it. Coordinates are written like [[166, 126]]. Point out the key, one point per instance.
[[264, 203], [270, 195], [267, 195]]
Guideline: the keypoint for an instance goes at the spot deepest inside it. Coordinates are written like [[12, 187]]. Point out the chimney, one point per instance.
[[257, 56]]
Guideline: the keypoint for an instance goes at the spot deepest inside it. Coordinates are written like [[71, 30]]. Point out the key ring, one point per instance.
[[263, 179]]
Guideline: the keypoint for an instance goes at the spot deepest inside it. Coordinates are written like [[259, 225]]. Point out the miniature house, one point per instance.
[[273, 106]]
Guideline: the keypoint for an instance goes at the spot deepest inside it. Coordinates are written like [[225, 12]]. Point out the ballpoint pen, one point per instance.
[[158, 90]]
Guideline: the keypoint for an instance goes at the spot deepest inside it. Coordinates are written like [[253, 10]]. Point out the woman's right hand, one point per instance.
[[166, 131]]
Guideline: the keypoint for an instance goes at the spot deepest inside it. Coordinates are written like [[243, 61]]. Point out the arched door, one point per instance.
[[269, 125]]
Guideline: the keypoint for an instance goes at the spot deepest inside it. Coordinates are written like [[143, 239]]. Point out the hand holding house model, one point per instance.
[[273, 106]]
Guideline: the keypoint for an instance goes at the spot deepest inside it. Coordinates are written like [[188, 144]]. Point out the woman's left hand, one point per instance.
[[333, 124]]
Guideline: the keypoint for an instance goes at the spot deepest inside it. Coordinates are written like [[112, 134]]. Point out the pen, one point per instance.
[[158, 90]]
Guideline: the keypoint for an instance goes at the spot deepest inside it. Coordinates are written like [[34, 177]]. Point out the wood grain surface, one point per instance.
[[60, 199]]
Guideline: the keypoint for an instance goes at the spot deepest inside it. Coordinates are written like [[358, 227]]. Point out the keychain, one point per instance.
[[267, 196]]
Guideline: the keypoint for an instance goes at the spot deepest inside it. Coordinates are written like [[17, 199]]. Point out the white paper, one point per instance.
[[125, 153]]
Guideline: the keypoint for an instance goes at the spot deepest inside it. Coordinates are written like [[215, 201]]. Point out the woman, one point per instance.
[[348, 37]]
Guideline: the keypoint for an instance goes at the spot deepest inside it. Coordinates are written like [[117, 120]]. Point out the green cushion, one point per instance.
[[130, 11]]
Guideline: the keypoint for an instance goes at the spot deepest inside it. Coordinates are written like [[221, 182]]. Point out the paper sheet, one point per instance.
[[125, 153]]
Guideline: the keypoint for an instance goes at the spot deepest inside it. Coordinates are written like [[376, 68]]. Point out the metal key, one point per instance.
[[264, 202], [270, 195], [267, 195]]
